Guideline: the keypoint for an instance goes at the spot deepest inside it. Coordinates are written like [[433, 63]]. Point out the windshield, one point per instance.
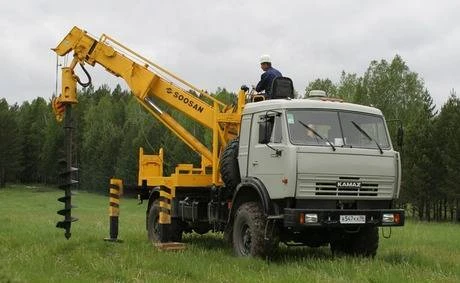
[[338, 127]]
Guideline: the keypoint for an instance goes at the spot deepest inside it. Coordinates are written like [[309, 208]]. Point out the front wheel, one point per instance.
[[248, 232]]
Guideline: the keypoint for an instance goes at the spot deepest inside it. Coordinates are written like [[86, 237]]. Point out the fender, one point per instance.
[[248, 186], [255, 185]]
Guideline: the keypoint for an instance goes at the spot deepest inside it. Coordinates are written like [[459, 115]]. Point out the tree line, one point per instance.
[[431, 153], [111, 126]]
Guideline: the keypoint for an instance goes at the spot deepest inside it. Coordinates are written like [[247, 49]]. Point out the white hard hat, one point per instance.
[[265, 59]]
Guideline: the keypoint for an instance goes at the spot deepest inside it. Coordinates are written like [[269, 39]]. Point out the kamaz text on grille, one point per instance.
[[348, 184]]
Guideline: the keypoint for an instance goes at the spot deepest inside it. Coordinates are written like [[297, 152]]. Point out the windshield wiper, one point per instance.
[[367, 135], [318, 135]]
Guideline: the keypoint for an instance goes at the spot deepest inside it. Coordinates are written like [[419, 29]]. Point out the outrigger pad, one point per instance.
[[171, 246]]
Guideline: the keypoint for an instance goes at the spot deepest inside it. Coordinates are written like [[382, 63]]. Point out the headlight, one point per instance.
[[391, 218], [388, 218], [311, 218]]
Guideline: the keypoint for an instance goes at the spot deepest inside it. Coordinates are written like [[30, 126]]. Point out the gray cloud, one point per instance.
[[217, 43]]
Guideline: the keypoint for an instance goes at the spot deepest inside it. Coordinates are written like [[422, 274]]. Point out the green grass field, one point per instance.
[[33, 250]]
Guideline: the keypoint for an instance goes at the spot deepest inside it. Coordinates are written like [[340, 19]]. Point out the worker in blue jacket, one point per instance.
[[268, 75]]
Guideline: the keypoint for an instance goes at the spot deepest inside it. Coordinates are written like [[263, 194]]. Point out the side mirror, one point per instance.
[[265, 131], [266, 126]]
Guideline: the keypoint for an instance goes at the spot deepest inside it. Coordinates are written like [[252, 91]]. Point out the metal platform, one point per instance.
[[172, 246]]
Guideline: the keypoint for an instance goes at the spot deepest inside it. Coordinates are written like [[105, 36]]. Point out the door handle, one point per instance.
[[255, 162]]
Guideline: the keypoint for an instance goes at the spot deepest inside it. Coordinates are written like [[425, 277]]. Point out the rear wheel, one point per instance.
[[363, 243], [162, 233], [249, 231], [153, 228]]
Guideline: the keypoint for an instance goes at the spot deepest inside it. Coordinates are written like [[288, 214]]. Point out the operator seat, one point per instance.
[[282, 87]]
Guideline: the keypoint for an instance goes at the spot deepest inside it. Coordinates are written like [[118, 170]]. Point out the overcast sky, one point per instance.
[[218, 43]]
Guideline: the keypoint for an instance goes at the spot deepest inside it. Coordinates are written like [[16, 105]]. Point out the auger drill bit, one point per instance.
[[66, 175]]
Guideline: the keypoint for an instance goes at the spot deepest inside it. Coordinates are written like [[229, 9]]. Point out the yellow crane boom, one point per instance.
[[149, 83]]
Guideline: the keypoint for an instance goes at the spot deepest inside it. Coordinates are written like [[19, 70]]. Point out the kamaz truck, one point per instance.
[[314, 172]]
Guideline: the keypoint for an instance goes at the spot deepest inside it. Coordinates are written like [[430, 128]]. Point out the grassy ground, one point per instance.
[[32, 250]]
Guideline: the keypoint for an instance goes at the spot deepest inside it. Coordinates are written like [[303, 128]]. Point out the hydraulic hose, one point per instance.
[[87, 75]]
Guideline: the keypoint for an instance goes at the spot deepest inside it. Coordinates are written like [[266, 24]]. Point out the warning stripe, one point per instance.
[[114, 195], [165, 210], [114, 204], [166, 190], [114, 211], [114, 186], [165, 205], [164, 199]]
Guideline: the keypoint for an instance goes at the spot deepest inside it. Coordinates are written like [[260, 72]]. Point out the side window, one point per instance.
[[245, 130]]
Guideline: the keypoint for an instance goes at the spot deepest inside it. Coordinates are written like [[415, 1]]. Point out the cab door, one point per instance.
[[267, 152]]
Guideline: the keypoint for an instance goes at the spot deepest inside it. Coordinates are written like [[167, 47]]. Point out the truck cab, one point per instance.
[[328, 168]]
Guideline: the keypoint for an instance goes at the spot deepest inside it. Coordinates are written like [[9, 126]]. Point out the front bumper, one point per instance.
[[296, 217]]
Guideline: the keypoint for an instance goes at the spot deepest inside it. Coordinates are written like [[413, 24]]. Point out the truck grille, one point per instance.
[[326, 186], [330, 189]]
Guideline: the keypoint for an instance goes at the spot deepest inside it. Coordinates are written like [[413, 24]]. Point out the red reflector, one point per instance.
[[302, 218], [397, 218]]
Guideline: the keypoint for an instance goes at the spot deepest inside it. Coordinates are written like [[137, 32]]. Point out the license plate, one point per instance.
[[352, 219]]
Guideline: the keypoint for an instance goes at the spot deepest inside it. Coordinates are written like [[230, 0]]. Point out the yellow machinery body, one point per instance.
[[150, 83]]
